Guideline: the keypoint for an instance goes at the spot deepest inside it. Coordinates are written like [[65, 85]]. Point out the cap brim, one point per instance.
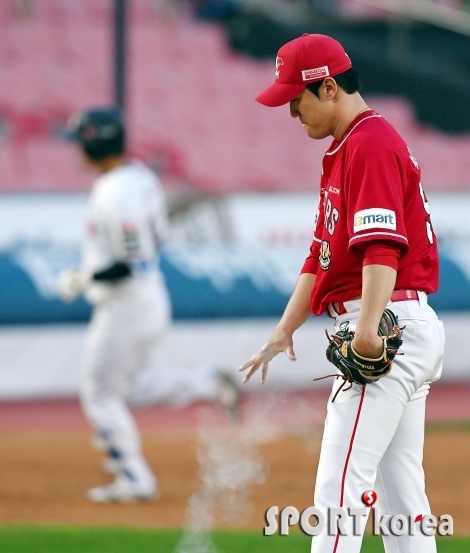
[[279, 94]]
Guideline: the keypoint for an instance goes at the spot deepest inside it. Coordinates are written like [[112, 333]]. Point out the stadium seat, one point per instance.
[[190, 107]]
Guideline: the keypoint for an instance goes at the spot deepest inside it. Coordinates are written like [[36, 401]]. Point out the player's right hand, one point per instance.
[[71, 284], [280, 341]]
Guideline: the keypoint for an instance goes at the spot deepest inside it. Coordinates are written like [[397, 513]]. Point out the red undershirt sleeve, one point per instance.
[[381, 253]]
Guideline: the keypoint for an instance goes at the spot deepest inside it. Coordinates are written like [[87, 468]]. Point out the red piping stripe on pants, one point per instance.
[[348, 456]]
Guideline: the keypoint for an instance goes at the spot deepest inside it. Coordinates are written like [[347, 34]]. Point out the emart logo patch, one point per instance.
[[375, 218]]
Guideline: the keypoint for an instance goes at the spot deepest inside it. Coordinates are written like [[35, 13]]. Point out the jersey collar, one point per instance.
[[336, 144]]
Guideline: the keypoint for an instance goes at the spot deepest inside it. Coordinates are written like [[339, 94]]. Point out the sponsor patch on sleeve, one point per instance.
[[131, 238], [375, 217]]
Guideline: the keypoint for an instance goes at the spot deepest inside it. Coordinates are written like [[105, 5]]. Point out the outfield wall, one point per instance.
[[237, 256], [230, 266], [45, 361]]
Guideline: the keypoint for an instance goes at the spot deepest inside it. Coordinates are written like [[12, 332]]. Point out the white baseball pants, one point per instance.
[[374, 435], [178, 386], [120, 337]]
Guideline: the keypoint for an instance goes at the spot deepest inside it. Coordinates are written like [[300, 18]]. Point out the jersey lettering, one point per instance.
[[333, 221], [429, 231], [425, 200], [317, 214], [413, 159], [331, 217], [327, 210], [130, 237]]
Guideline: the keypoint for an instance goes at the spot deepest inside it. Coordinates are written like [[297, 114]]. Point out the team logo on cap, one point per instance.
[[89, 133], [279, 62], [315, 74]]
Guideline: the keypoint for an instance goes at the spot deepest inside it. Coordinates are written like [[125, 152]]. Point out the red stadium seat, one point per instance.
[[190, 104]]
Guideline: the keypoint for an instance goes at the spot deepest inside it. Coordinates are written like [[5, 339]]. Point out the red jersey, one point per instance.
[[370, 190]]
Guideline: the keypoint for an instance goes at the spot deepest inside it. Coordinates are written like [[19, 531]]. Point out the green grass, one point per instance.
[[447, 426], [37, 539]]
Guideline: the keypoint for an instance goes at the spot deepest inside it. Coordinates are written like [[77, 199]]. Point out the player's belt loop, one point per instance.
[[336, 309], [422, 298], [339, 307]]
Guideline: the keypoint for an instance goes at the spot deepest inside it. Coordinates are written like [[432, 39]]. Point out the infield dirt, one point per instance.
[[44, 476]]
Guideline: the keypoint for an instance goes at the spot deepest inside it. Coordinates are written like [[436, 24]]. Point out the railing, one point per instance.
[[427, 11]]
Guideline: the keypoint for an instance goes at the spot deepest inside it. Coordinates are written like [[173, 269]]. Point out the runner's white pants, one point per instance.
[[374, 435], [176, 386], [120, 337]]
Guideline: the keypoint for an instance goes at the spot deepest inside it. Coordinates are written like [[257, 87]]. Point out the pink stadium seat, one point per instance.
[[8, 176], [395, 110], [53, 165], [190, 104]]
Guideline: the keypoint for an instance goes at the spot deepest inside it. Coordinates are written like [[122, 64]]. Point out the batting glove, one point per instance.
[[71, 284]]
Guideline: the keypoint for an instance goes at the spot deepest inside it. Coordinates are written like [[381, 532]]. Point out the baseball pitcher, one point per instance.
[[372, 264]]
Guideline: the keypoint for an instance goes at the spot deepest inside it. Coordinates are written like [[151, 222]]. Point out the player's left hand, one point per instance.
[[280, 341], [368, 346], [71, 284], [355, 367]]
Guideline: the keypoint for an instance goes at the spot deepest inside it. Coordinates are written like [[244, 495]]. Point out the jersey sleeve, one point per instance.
[[136, 223], [124, 225], [311, 262], [374, 195], [159, 212]]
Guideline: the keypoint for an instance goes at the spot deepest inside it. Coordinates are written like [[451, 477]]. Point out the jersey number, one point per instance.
[[429, 231], [331, 217]]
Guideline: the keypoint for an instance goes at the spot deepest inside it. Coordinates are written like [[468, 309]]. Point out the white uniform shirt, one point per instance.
[[126, 221]]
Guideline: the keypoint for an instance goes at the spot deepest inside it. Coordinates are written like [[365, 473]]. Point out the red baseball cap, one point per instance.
[[301, 61]]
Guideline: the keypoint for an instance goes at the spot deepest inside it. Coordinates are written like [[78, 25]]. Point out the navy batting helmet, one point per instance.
[[100, 132]]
